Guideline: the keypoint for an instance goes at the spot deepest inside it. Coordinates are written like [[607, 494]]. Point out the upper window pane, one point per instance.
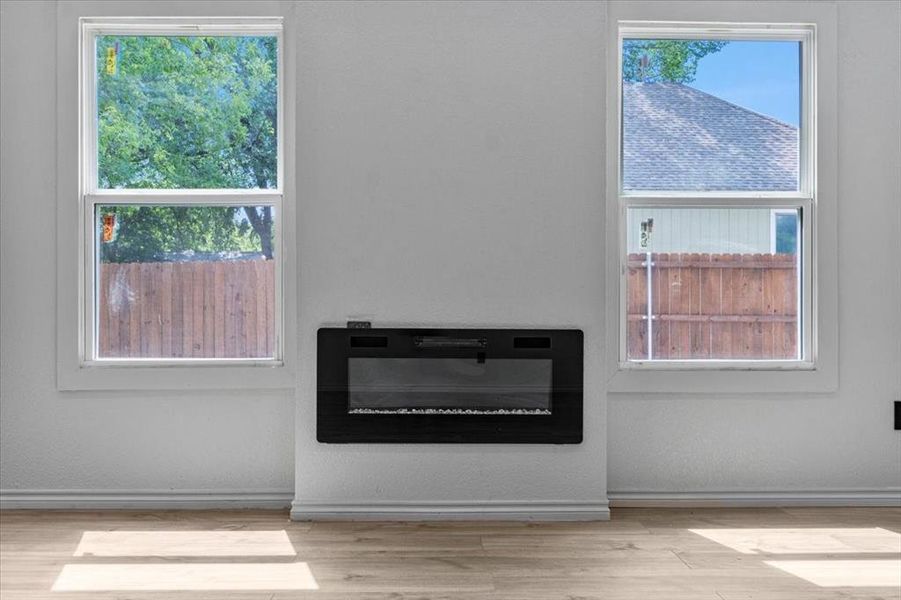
[[182, 112], [710, 115]]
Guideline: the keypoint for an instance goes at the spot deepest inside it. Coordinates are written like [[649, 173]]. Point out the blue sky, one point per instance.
[[761, 76]]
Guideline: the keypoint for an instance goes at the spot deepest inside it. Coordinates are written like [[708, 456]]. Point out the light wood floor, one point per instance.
[[699, 554]]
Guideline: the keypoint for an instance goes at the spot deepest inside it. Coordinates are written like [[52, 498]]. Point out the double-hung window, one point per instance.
[[182, 175], [717, 197]]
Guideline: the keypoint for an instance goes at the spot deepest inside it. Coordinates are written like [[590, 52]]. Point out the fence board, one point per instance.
[[199, 273], [637, 305], [186, 298], [262, 319], [175, 303], [145, 276], [269, 303], [679, 302], [209, 312], [133, 306], [769, 328], [114, 321], [165, 287], [250, 310], [229, 338], [218, 302], [696, 329], [196, 309], [725, 306], [660, 303], [103, 313], [711, 303], [156, 319]]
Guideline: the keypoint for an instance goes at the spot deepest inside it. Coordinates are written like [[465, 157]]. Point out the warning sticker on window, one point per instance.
[[110, 61], [109, 227]]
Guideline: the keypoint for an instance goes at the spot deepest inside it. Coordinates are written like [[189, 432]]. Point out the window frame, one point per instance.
[[91, 195], [803, 199]]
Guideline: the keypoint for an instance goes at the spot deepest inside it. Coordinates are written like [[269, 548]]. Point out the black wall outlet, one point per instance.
[[898, 415]]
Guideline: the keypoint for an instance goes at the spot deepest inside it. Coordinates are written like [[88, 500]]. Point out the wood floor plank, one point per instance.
[[641, 554]]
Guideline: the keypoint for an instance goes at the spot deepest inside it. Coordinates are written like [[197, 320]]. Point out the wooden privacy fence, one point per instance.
[[726, 306], [222, 309]]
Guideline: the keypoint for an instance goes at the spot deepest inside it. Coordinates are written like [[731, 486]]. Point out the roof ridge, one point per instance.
[[738, 106]]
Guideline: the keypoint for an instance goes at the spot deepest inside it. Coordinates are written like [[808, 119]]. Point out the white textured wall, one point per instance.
[[450, 168], [97, 440], [451, 173], [838, 441]]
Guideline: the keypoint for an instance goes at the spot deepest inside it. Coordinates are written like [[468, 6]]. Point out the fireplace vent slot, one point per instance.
[[531, 342], [368, 341]]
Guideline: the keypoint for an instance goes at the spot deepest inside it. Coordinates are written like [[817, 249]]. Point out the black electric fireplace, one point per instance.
[[449, 385]]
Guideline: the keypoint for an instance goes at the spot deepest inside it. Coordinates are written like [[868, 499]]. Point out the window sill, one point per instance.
[[717, 365], [187, 363], [161, 376], [740, 377]]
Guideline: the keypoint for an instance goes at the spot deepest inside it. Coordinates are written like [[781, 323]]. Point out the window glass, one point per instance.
[[710, 115], [717, 291], [449, 385], [185, 282], [176, 112], [786, 234]]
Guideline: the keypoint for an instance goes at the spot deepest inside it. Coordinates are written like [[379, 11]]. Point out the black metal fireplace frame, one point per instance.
[[334, 424]]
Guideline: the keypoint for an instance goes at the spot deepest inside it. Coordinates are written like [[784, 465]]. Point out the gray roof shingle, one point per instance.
[[678, 138]]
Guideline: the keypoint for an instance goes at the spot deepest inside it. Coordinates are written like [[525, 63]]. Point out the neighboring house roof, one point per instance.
[[678, 138]]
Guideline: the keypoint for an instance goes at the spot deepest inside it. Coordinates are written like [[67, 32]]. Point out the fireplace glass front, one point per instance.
[[449, 386]]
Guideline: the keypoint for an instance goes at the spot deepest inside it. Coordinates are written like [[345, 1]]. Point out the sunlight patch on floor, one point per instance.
[[844, 573], [185, 577], [805, 541], [185, 543]]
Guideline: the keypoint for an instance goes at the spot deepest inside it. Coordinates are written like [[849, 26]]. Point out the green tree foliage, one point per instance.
[[187, 112], [673, 61], [156, 233]]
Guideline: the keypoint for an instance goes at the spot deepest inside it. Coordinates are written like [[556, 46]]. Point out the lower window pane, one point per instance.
[[722, 284], [185, 282]]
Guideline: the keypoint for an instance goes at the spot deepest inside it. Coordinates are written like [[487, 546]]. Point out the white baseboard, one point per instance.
[[890, 497], [444, 511], [546, 511], [143, 499]]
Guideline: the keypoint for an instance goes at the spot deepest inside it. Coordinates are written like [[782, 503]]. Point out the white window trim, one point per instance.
[[817, 369], [805, 196], [77, 365]]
